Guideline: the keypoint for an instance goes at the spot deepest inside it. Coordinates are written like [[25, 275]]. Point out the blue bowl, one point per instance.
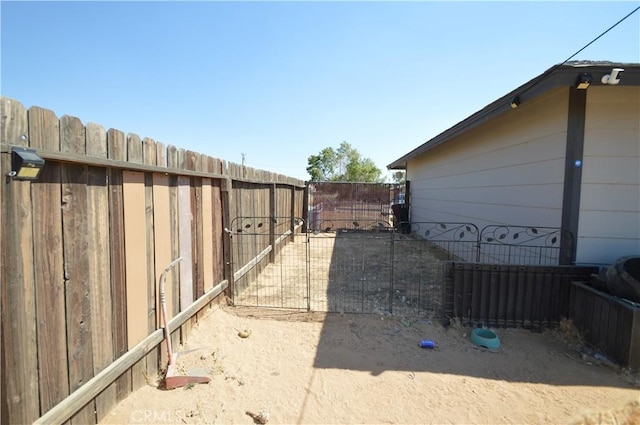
[[485, 338]]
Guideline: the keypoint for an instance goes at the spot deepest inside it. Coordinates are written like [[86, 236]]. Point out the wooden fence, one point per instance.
[[82, 250], [534, 297], [608, 323]]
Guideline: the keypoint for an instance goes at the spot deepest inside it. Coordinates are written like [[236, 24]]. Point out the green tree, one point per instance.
[[343, 164], [399, 177]]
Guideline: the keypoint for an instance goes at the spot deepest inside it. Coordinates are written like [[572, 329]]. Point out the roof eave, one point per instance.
[[556, 76]]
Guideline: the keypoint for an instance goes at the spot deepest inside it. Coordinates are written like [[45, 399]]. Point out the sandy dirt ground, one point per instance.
[[310, 368]]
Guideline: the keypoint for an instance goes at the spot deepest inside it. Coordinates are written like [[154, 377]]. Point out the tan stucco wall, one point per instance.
[[509, 170], [609, 225]]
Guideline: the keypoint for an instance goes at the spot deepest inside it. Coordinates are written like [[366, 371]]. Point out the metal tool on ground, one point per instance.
[[172, 381]]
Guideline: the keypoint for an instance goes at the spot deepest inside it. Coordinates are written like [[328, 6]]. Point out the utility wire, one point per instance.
[[553, 68], [598, 37]]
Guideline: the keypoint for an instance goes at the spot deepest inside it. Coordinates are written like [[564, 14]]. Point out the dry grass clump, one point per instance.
[[569, 333]]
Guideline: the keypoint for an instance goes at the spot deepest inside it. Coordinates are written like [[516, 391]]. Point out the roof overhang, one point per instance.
[[563, 75]]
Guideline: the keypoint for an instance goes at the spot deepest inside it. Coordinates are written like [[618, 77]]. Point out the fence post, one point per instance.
[[305, 208], [272, 222], [226, 186], [292, 213]]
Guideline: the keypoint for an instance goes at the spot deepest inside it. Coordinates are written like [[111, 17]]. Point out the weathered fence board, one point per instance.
[[99, 265], [149, 158], [184, 229], [19, 343], [172, 162], [44, 132], [197, 237], [185, 239], [117, 150], [4, 409], [76, 264]]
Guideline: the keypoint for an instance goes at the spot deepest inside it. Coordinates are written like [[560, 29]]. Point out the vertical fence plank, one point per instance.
[[503, 295], [4, 408], [135, 268], [226, 193], [149, 158], [172, 162], [184, 224], [494, 295], [117, 150], [100, 265], [44, 133], [208, 237], [272, 202], [19, 356], [136, 265], [218, 225], [163, 252], [194, 162], [135, 242], [76, 264]]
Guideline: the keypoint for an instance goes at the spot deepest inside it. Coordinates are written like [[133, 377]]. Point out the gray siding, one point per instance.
[[609, 225], [509, 170]]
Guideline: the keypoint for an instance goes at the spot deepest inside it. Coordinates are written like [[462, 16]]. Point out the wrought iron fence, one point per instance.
[[496, 244], [367, 266], [524, 245]]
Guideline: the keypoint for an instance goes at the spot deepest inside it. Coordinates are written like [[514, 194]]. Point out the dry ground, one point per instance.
[[308, 368]]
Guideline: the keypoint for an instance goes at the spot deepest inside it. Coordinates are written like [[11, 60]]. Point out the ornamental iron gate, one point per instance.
[[269, 262], [365, 266]]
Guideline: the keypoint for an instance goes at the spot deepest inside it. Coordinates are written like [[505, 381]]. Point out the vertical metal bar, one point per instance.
[[307, 262], [362, 277], [391, 281]]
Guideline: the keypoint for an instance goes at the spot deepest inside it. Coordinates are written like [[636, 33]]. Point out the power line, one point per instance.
[[598, 37], [555, 67]]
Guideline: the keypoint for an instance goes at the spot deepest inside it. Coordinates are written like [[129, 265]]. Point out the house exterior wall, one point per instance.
[[609, 223], [509, 170]]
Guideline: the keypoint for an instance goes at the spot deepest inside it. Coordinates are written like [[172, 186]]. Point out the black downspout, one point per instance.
[[573, 174]]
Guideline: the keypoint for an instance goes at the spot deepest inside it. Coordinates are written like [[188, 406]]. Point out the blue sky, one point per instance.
[[279, 81]]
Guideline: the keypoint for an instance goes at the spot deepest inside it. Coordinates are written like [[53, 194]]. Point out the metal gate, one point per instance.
[[367, 267], [363, 266], [346, 266], [269, 262]]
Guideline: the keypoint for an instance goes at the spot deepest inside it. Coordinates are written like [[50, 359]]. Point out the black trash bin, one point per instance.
[[401, 217]]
